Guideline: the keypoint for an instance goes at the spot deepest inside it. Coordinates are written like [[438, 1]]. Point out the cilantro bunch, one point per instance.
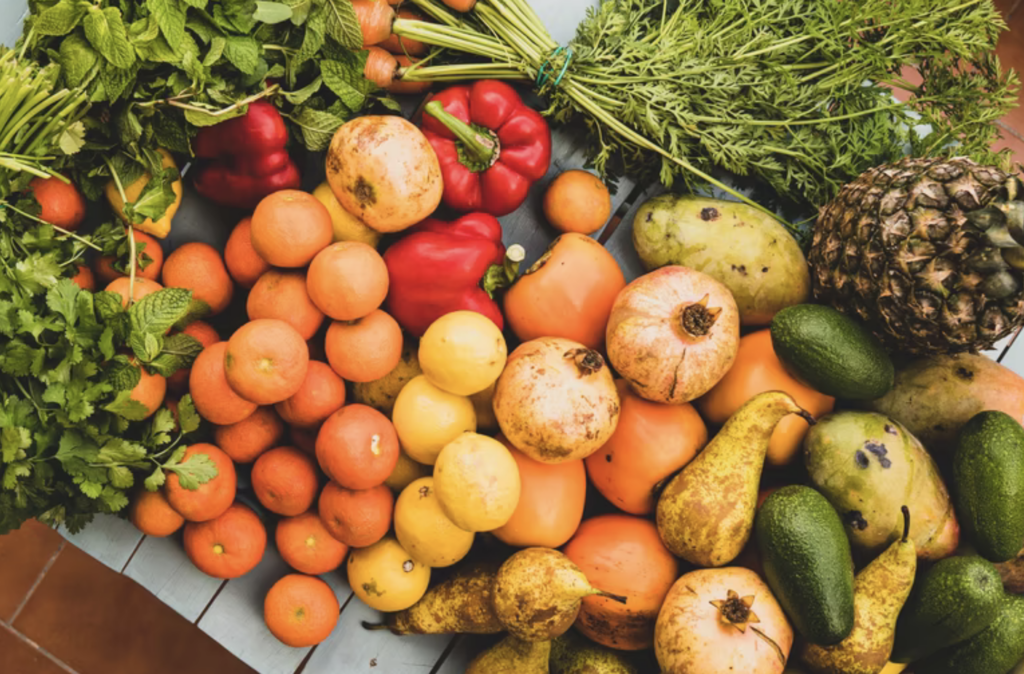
[[73, 442]]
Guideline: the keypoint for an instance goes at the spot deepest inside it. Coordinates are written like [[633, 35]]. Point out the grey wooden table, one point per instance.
[[232, 611]]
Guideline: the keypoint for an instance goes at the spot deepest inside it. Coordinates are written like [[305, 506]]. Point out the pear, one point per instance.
[[573, 654], [512, 656], [463, 604], [879, 592], [706, 513], [538, 593]]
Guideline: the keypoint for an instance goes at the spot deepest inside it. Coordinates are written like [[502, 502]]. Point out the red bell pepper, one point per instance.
[[440, 267], [490, 144], [248, 158]]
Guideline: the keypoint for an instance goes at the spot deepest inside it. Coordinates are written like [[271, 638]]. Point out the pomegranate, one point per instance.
[[556, 400], [673, 333]]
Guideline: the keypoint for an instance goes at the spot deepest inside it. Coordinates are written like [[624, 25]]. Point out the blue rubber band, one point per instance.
[[543, 73]]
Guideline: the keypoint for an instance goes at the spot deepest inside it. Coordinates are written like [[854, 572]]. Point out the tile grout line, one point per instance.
[[38, 581], [210, 603], [1009, 129], [32, 644]]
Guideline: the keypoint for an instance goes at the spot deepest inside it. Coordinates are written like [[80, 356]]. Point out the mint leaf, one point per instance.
[[145, 345], [157, 312], [157, 196], [343, 24], [217, 45], [115, 82], [390, 103], [179, 351], [77, 58], [346, 80], [60, 19], [157, 50], [170, 16], [196, 470], [318, 127], [122, 374], [313, 40], [155, 480], [106, 33], [272, 12], [188, 418], [300, 10], [243, 53], [125, 406], [302, 95], [198, 4], [235, 15], [201, 119]]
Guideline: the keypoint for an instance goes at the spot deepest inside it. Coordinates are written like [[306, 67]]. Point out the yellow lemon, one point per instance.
[[477, 482], [381, 393], [386, 577], [427, 418], [405, 472], [162, 227], [893, 668], [347, 227], [483, 403], [423, 529], [463, 352]]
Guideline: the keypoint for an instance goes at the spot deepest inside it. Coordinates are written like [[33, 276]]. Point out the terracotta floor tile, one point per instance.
[[23, 554], [19, 657], [100, 622], [1015, 144]]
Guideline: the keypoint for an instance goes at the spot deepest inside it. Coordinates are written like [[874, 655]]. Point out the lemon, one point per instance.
[[386, 577], [381, 393], [463, 352], [427, 418], [477, 482], [347, 227], [483, 403], [424, 530], [406, 470]]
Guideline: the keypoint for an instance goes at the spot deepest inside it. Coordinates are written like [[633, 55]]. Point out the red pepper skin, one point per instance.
[[248, 158], [524, 147], [437, 269]]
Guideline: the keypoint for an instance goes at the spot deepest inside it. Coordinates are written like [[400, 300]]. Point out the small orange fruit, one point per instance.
[[365, 349], [282, 295], [150, 391], [142, 288], [301, 610], [307, 546], [577, 201], [290, 227], [153, 515], [322, 393], [61, 202], [243, 262], [205, 335], [228, 546], [146, 247], [84, 278], [246, 440], [266, 361], [285, 481], [356, 518], [214, 398], [347, 280], [357, 447], [212, 498], [304, 438], [200, 268]]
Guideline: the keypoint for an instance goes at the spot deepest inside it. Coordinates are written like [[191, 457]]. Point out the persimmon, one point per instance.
[[153, 515], [623, 555], [357, 447], [61, 203], [577, 201], [567, 293], [757, 369], [200, 268], [243, 262], [322, 394], [300, 610], [289, 228], [281, 294], [246, 440], [356, 518], [347, 280], [214, 398], [551, 500], [266, 361], [150, 391], [651, 442], [147, 248], [365, 349], [307, 546], [285, 481], [206, 335], [213, 497], [228, 546], [84, 278], [141, 288]]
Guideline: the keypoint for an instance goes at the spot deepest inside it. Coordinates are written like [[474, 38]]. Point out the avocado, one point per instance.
[[807, 562], [988, 484], [951, 602], [832, 352], [994, 650]]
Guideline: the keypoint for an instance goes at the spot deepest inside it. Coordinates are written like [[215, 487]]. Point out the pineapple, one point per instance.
[[926, 252]]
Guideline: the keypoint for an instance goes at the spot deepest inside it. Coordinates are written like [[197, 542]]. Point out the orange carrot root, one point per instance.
[[375, 19], [380, 67]]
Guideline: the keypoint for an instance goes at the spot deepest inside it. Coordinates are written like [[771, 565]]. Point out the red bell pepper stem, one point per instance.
[[480, 146], [502, 276]]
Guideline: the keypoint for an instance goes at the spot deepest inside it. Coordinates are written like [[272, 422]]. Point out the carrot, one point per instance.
[[460, 5], [380, 67], [394, 2], [401, 87], [406, 45], [375, 19]]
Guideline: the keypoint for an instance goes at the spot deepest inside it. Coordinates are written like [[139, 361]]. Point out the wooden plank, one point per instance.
[[108, 538], [467, 647], [1013, 357], [12, 15], [620, 244], [160, 566]]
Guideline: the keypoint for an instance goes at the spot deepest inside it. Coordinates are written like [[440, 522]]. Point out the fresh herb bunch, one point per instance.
[[796, 93], [72, 440]]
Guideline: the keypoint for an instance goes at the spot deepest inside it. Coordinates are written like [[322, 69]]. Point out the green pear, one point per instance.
[[574, 654], [512, 656], [463, 604], [706, 513], [879, 592], [538, 593]]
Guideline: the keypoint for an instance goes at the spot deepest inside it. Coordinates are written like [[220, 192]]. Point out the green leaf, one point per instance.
[[13, 440], [77, 59], [155, 480], [106, 33], [390, 103], [235, 15], [125, 406], [143, 30], [243, 52], [157, 50], [60, 19], [120, 477], [201, 119], [216, 50], [62, 299], [188, 418], [146, 346], [313, 39], [343, 24], [346, 80], [157, 312], [122, 375], [170, 132], [179, 351], [170, 16], [198, 4], [116, 450], [162, 426], [317, 127], [272, 12], [128, 127], [116, 81], [196, 470], [72, 139], [157, 196], [108, 305], [300, 10], [300, 96]]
